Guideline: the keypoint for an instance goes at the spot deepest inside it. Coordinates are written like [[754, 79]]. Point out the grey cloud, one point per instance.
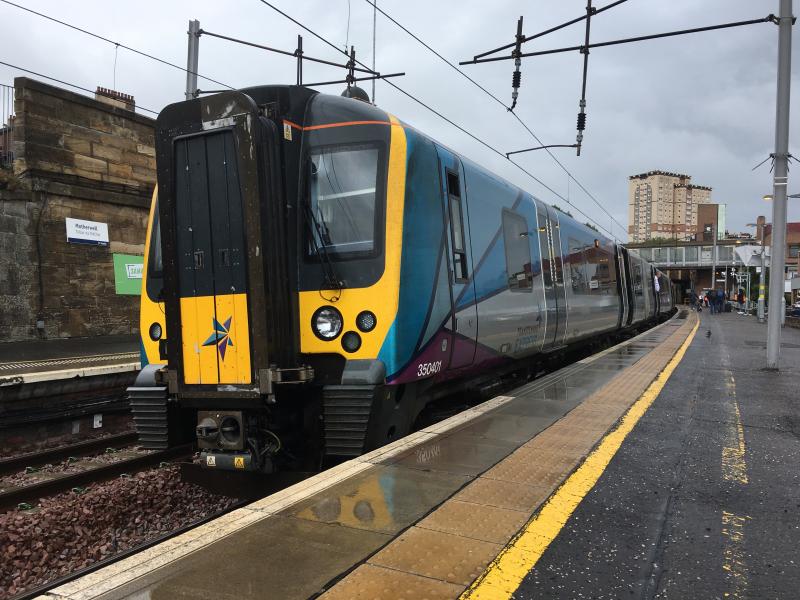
[[702, 104]]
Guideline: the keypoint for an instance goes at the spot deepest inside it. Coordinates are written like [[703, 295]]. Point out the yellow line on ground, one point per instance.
[[503, 575], [734, 466], [733, 558]]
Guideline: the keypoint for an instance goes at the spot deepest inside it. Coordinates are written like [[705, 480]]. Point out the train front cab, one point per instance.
[[281, 217], [351, 243]]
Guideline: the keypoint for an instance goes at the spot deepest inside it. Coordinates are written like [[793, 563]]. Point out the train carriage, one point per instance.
[[318, 272]]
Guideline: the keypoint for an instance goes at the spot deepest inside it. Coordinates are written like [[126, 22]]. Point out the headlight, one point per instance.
[[366, 321], [155, 332], [327, 323], [351, 341]]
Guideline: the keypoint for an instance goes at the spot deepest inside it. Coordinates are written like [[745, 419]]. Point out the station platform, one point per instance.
[[662, 467], [47, 360]]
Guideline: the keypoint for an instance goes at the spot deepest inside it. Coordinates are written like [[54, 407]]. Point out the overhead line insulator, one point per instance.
[[516, 76]]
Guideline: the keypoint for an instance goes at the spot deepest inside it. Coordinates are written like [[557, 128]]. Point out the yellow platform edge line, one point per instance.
[[505, 573]]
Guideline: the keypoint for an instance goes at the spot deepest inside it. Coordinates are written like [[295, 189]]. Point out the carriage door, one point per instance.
[[656, 294], [546, 251], [558, 277], [464, 309], [629, 291], [622, 288], [211, 261]]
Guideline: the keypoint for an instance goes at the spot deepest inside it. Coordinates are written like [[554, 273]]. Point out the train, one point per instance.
[[318, 273]]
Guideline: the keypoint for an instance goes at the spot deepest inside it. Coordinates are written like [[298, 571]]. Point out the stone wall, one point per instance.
[[75, 157]]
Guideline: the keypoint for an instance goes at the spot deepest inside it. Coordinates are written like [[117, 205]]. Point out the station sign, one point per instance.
[[128, 269], [87, 232]]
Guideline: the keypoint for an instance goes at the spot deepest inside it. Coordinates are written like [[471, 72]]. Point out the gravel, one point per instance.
[[71, 531]]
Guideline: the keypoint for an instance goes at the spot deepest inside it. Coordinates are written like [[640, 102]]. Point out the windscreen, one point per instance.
[[155, 262], [344, 200]]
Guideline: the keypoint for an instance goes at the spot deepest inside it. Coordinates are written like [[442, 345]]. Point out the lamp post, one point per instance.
[[769, 196], [780, 182]]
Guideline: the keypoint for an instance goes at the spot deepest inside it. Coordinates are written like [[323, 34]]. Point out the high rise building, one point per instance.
[[663, 205]]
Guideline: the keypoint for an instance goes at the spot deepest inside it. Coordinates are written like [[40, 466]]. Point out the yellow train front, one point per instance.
[[319, 275], [253, 301]]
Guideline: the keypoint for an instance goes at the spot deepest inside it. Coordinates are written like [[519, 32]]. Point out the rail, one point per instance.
[[51, 455], [33, 492]]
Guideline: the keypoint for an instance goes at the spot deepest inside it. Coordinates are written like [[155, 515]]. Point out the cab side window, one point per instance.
[[457, 228]]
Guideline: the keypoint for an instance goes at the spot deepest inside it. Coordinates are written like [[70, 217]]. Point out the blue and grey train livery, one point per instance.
[[319, 272]]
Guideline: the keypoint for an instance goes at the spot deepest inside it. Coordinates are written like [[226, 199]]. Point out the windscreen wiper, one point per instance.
[[318, 230]]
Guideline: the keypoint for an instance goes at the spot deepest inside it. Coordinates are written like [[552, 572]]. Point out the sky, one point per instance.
[[701, 104]]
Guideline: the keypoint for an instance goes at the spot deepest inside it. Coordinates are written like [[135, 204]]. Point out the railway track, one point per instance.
[[52, 455], [29, 494]]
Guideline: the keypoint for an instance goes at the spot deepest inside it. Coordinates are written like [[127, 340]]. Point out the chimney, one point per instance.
[[115, 98]]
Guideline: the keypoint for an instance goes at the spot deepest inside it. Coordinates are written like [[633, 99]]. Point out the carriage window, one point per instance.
[[578, 271], [601, 271], [518, 252], [637, 280], [343, 197]]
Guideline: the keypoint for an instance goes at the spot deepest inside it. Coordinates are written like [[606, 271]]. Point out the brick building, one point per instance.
[[792, 245], [75, 158]]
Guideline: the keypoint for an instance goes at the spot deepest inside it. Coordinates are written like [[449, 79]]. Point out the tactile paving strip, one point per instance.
[[455, 542]]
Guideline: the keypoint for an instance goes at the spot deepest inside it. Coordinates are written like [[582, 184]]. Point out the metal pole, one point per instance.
[[374, 29], [192, 59], [747, 304], [780, 180], [762, 279], [726, 278], [714, 259], [299, 60]]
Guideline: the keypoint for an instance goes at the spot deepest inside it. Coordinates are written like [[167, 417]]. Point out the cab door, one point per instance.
[[464, 311], [211, 260]]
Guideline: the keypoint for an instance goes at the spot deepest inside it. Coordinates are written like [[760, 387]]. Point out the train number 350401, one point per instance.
[[427, 369]]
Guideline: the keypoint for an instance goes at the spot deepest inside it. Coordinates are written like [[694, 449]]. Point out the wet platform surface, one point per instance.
[[428, 513], [67, 355], [703, 498]]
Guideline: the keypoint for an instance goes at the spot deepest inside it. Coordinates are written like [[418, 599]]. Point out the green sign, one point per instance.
[[128, 270]]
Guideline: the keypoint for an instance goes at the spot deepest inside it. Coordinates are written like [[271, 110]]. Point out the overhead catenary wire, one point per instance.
[[118, 44], [284, 52], [528, 38], [61, 81], [641, 38], [546, 147], [441, 116]]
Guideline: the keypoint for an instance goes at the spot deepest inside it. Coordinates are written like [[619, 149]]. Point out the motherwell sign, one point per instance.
[[87, 232]]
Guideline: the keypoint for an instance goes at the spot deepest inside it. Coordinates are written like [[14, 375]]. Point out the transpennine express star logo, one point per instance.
[[221, 337]]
